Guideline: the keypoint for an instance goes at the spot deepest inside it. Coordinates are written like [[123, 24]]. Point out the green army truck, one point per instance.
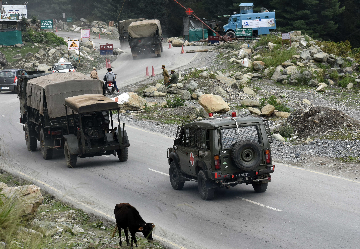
[[222, 153], [145, 37], [42, 98]]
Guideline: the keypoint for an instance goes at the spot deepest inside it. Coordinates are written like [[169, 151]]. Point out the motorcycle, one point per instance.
[[109, 88]]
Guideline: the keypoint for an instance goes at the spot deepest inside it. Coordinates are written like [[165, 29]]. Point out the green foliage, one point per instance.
[[342, 49], [272, 100], [34, 20], [277, 56], [43, 37], [286, 130], [176, 102], [194, 74], [345, 81], [265, 39]]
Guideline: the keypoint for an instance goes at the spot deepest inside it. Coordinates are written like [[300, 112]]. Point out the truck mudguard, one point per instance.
[[72, 142]]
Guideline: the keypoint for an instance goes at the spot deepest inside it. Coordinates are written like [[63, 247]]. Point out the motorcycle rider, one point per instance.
[[110, 77]]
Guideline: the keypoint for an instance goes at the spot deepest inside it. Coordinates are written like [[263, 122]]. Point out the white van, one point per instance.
[[63, 67]]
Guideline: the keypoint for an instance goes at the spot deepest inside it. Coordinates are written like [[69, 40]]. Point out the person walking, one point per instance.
[[174, 78], [94, 74], [166, 75], [110, 77]]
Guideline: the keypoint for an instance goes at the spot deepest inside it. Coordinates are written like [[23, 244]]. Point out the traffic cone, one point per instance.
[[182, 49], [56, 29], [147, 71], [153, 71], [99, 36], [169, 45]]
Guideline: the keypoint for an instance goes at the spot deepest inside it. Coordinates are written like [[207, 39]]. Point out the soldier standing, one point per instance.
[[166, 75], [94, 74]]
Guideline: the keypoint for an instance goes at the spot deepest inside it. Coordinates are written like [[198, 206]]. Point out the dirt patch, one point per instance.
[[320, 120]]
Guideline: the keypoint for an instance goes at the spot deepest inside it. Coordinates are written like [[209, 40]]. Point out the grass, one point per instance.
[[277, 56], [343, 134], [272, 100], [10, 52]]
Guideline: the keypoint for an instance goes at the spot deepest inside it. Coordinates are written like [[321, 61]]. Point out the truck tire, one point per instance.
[[71, 159], [231, 34], [260, 187], [123, 154], [31, 142], [246, 155], [47, 153], [176, 178], [159, 55], [206, 193]]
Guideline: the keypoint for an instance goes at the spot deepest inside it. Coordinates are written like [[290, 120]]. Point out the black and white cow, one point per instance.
[[128, 217]]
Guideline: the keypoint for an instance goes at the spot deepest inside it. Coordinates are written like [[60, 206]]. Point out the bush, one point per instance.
[[176, 102], [265, 39], [286, 130], [277, 56], [272, 100], [43, 37], [345, 81]]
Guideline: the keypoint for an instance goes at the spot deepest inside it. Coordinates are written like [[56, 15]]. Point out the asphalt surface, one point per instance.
[[300, 209]]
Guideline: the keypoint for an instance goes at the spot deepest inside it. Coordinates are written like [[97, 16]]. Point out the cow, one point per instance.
[[128, 217]]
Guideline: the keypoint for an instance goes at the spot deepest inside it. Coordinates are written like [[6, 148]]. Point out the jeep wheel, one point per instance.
[[71, 159], [206, 193], [123, 154], [260, 187], [246, 155], [31, 142], [176, 178], [47, 153]]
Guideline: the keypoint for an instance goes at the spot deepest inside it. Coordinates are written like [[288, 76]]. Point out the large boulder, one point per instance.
[[177, 43], [267, 110], [213, 103], [249, 102], [278, 73], [131, 101], [28, 198], [258, 65], [321, 57], [225, 80]]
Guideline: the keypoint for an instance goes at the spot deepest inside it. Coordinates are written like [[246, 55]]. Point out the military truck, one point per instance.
[[145, 37], [221, 152], [92, 132], [42, 98], [123, 29]]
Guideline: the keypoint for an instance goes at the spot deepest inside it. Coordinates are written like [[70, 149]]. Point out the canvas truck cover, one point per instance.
[[90, 103], [145, 28], [54, 88]]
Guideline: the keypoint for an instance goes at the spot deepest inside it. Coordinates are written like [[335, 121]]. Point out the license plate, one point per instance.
[[5, 88]]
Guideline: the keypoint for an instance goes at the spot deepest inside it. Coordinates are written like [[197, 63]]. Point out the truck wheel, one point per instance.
[[47, 153], [70, 158], [206, 193], [246, 155], [123, 154], [231, 34], [176, 178], [260, 187], [158, 55], [31, 142]]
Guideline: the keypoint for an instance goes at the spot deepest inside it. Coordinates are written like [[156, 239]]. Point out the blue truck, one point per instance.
[[261, 23]]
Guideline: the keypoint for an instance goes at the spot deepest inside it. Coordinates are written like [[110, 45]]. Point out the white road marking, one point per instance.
[[259, 204], [159, 172]]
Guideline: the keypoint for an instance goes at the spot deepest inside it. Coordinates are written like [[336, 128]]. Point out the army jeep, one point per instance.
[[221, 152], [91, 130]]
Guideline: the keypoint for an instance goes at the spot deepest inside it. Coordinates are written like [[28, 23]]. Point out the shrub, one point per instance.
[[265, 39], [286, 130], [42, 37], [176, 102], [277, 56], [345, 81], [272, 100]]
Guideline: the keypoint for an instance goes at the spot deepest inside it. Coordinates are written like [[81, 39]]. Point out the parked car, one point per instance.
[[9, 78]]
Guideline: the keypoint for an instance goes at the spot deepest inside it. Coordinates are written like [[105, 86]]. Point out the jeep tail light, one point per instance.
[[15, 79], [267, 156], [217, 162], [210, 115], [233, 114]]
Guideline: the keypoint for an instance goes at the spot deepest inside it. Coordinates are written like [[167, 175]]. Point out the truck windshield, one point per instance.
[[244, 133], [64, 66]]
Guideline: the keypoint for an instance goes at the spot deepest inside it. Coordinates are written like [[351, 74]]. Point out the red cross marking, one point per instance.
[[192, 159], [189, 11]]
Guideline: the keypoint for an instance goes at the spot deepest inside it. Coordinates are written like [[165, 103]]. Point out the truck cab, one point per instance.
[[261, 23]]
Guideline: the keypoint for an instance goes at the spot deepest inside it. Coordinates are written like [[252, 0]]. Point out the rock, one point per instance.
[[278, 72], [194, 96], [192, 85], [321, 57], [204, 74], [267, 110], [95, 30], [17, 57], [244, 53], [258, 65], [331, 82], [305, 55], [177, 43], [291, 70], [350, 86], [86, 50], [117, 51], [213, 103], [43, 67], [321, 87], [221, 92], [41, 52], [245, 62], [254, 111], [150, 90], [135, 102], [278, 137], [184, 94], [84, 20], [307, 102], [29, 197], [282, 114], [3, 185], [225, 80], [303, 43], [249, 102], [238, 75], [248, 91], [52, 52], [348, 70], [18, 45], [271, 45], [159, 94], [287, 64], [180, 85]]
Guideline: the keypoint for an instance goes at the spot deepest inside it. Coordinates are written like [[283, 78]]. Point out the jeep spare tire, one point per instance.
[[246, 155]]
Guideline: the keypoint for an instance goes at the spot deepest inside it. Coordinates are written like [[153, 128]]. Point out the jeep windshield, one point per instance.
[[230, 136], [7, 74], [62, 67]]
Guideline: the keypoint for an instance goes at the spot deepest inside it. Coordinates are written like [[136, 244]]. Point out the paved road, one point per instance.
[[130, 71], [301, 209]]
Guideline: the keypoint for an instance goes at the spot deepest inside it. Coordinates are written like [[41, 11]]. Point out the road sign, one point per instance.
[[189, 11], [243, 32], [46, 24], [85, 33], [69, 19], [73, 45]]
